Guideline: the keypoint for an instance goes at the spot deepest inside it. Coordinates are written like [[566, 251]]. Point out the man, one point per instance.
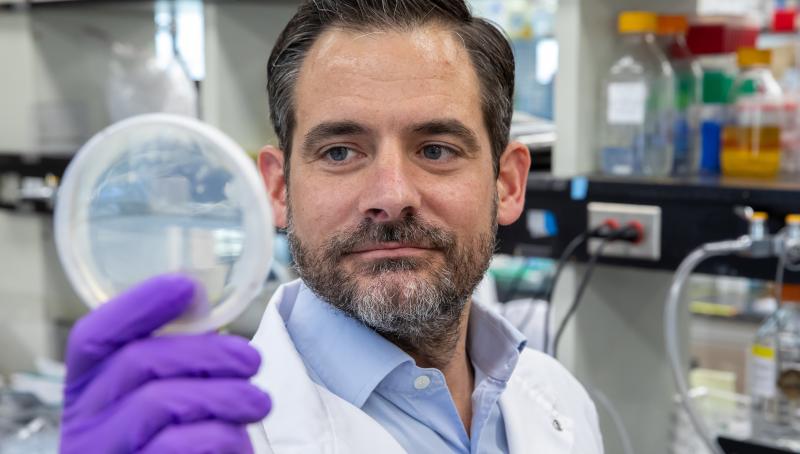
[[393, 171]]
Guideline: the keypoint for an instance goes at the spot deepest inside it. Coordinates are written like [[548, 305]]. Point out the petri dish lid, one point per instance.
[[161, 193]]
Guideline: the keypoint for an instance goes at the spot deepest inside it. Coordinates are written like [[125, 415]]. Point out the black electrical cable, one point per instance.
[[548, 296], [568, 252], [513, 287], [604, 231], [583, 285]]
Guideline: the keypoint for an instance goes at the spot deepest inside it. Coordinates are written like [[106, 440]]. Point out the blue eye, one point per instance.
[[434, 152], [338, 154]]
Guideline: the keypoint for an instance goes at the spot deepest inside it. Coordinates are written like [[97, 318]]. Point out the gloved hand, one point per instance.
[[128, 391]]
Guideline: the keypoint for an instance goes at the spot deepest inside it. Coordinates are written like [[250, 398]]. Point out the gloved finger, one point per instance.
[[161, 403], [132, 315], [205, 355], [207, 437]]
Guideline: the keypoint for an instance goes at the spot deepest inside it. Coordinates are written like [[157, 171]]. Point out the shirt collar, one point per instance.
[[346, 356], [494, 344], [351, 360]]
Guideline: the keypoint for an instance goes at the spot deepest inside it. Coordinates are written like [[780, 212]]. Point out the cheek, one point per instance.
[[319, 208], [466, 206]]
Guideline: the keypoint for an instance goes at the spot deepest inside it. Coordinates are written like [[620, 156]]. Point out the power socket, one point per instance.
[[649, 217]]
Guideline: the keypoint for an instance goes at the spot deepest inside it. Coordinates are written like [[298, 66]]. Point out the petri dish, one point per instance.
[[161, 193]]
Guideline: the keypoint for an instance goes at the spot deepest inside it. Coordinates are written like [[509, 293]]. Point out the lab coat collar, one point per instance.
[[282, 374]]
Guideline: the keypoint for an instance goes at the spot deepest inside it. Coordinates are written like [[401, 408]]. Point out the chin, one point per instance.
[[396, 281]]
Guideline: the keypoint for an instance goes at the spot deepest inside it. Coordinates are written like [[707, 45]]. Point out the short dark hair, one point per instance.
[[489, 50]]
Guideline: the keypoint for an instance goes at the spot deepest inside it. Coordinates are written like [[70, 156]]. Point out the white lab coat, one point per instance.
[[546, 411]]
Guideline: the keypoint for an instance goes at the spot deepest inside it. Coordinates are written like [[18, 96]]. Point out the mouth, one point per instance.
[[389, 250]]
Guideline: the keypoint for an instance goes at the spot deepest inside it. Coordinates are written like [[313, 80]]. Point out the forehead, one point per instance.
[[387, 77]]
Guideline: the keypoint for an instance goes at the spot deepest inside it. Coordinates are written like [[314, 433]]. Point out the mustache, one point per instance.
[[410, 230]]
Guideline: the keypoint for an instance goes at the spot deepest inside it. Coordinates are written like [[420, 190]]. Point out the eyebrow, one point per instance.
[[449, 127], [324, 131]]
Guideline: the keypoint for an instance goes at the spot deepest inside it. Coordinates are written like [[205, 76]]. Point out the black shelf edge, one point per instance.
[[34, 165]]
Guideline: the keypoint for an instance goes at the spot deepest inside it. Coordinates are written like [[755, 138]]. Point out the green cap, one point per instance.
[[716, 85]]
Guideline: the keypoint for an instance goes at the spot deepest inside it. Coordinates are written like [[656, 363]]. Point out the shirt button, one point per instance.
[[422, 382]]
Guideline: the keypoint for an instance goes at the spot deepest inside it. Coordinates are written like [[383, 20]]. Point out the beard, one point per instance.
[[415, 302]]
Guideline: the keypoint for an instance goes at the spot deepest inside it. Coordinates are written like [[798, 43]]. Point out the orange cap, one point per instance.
[[749, 56], [793, 219], [759, 216], [671, 24], [791, 292]]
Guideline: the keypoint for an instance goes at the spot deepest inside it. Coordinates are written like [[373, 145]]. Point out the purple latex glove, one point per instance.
[[128, 391]]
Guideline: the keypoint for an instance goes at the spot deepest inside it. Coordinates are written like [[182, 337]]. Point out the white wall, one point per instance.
[[23, 328], [16, 82], [53, 91], [239, 38]]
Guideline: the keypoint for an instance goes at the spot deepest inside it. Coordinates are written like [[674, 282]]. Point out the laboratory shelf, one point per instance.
[[694, 211], [33, 165]]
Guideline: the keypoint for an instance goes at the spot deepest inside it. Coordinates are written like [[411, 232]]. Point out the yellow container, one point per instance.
[[748, 56], [751, 151], [637, 22], [751, 143]]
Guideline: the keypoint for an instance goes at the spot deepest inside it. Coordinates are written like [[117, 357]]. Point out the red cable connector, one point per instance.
[[632, 232]]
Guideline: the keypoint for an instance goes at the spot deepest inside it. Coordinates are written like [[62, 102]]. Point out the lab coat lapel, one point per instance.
[[299, 422], [533, 422]]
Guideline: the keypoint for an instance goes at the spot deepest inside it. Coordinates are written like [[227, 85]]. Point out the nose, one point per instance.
[[391, 192]]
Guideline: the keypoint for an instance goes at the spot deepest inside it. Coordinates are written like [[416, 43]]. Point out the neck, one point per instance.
[[450, 356]]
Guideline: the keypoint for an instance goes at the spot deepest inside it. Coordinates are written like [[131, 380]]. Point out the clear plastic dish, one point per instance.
[[161, 193]]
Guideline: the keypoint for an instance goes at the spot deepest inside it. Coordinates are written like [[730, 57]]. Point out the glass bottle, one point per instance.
[[688, 73], [636, 122], [774, 374], [751, 142]]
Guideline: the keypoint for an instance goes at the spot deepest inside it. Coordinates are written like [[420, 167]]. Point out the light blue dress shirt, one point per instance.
[[411, 403]]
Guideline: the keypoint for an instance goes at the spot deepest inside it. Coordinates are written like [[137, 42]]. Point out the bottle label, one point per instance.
[[626, 103], [763, 380]]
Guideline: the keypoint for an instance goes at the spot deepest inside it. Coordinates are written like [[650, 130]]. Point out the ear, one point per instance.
[[270, 166], [512, 180]]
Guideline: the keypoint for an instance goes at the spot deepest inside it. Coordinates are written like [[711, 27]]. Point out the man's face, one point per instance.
[[392, 196]]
